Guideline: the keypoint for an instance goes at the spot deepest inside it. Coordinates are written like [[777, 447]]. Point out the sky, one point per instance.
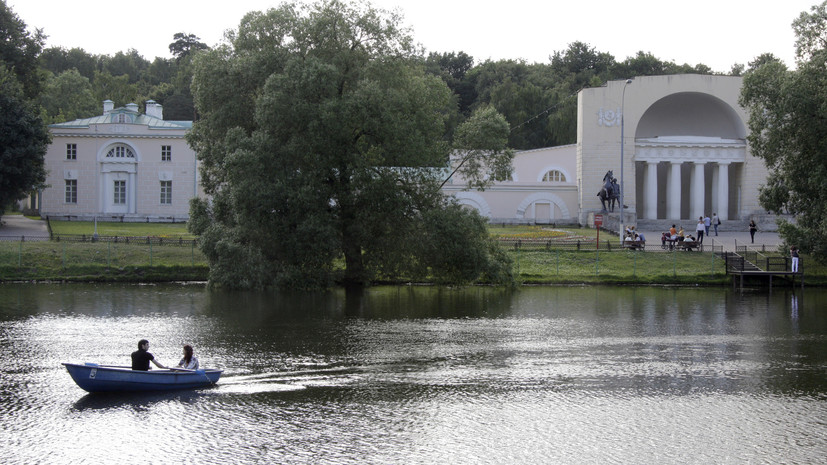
[[717, 33]]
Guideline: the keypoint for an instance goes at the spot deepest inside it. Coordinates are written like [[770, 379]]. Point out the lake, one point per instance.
[[421, 375]]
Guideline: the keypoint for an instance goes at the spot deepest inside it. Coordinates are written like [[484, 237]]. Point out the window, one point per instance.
[[554, 176], [166, 153], [120, 151], [120, 193], [71, 151], [166, 192], [71, 191]]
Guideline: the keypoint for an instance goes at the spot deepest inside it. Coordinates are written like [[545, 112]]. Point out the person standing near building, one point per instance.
[[794, 256], [700, 229], [752, 229], [715, 222], [707, 224]]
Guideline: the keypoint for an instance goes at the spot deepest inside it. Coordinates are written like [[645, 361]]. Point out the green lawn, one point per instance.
[[545, 264], [114, 228]]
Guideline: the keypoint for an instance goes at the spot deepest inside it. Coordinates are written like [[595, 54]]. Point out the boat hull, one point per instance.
[[92, 377]]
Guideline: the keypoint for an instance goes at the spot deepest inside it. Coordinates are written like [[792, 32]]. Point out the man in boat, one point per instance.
[[141, 358]]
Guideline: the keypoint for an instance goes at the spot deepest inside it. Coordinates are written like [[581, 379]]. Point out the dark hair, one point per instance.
[[142, 342], [187, 353]]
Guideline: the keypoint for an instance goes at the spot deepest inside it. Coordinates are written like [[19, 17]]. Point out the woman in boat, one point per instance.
[[141, 358], [190, 362]]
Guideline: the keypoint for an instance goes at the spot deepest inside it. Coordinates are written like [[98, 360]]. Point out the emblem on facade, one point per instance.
[[608, 117]]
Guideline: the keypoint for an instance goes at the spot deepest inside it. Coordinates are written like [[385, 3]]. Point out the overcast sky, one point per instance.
[[717, 33]]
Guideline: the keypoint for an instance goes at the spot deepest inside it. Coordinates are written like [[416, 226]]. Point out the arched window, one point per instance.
[[554, 176], [122, 118], [120, 151]]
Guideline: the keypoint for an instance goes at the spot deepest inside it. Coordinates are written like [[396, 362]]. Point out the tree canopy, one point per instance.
[[788, 130], [19, 49], [23, 142], [321, 138]]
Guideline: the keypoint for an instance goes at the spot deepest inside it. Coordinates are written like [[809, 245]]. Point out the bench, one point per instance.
[[687, 245], [634, 245]]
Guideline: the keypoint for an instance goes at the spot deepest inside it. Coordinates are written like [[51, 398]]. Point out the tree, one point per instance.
[[320, 138], [811, 32], [185, 44], [787, 114], [68, 96], [23, 142], [19, 49], [58, 60]]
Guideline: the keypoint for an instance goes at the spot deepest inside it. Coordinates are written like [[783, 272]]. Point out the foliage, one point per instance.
[[19, 49], [787, 114], [481, 154], [185, 44], [811, 33], [66, 97], [320, 138], [23, 142]]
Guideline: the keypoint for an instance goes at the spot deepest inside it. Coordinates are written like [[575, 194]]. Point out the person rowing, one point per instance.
[[141, 357]]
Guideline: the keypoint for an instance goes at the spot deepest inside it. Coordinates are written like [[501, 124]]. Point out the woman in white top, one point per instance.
[[700, 230], [189, 361]]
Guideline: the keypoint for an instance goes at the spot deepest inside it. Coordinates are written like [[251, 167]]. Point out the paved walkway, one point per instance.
[[19, 225], [728, 239]]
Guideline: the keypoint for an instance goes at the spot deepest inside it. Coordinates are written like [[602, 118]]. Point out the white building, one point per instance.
[[122, 165], [685, 155], [542, 189]]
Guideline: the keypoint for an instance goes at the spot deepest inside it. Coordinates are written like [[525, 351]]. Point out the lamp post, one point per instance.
[[622, 116]]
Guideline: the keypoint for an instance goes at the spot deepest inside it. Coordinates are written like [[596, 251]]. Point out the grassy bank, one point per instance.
[[139, 261]]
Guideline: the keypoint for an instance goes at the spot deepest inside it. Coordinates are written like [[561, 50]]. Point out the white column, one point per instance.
[[673, 181], [723, 191], [132, 193], [696, 191], [650, 190], [713, 192]]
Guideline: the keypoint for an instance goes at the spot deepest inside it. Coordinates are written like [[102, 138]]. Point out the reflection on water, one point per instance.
[[421, 375]]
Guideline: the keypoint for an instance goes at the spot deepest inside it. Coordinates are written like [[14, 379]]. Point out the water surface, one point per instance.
[[422, 375]]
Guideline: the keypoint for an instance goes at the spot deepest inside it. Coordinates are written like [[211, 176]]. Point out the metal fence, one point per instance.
[[180, 241], [591, 245]]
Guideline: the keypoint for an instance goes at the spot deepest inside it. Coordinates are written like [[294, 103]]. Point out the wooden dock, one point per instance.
[[768, 274]]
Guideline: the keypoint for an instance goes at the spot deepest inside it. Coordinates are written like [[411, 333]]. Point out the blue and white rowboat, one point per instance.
[[104, 378]]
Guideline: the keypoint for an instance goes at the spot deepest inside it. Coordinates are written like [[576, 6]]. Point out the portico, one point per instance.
[[694, 179], [685, 148]]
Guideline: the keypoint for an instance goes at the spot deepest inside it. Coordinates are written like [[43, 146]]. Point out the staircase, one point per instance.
[[735, 262]]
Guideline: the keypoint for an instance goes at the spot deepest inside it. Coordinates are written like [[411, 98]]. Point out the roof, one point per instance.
[[113, 118]]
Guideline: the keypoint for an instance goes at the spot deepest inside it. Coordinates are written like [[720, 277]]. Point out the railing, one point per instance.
[[155, 240], [609, 245]]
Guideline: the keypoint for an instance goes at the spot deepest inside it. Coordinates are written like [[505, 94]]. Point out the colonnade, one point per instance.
[[697, 189]]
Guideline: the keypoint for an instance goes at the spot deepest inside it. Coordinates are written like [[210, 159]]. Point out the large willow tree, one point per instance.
[[321, 141]]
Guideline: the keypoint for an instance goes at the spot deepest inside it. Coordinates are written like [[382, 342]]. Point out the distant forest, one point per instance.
[[538, 100]]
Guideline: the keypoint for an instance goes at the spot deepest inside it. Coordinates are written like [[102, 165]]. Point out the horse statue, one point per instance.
[[610, 192]]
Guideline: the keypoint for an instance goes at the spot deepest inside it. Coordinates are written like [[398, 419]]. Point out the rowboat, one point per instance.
[[106, 378]]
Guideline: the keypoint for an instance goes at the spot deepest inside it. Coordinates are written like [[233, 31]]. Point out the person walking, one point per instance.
[[707, 224], [700, 228], [752, 229], [715, 222]]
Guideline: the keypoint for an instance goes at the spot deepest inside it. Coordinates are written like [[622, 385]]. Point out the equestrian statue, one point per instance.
[[610, 191]]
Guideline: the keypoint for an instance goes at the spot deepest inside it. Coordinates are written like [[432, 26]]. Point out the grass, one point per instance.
[[115, 228], [141, 262]]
